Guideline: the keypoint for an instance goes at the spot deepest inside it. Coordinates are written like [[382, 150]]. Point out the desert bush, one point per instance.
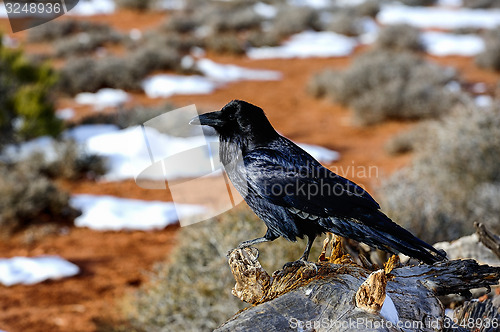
[[127, 117], [26, 198], [90, 75], [346, 22], [368, 8], [26, 108], [181, 23], [227, 43], [383, 85], [261, 39], [401, 37], [85, 42], [233, 20], [418, 2], [490, 57], [192, 292], [58, 29], [409, 140], [141, 5], [481, 3], [290, 20], [71, 162], [453, 180]]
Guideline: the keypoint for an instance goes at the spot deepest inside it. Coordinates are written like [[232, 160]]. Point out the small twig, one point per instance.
[[487, 238]]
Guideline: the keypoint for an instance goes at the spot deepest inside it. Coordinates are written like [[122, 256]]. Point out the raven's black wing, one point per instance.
[[293, 179]]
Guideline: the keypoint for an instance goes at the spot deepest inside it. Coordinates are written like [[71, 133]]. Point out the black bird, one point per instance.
[[294, 194]]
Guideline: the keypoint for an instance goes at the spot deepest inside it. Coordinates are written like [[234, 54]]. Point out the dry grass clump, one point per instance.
[[27, 197], [453, 180], [383, 85], [400, 37], [192, 291], [490, 57]]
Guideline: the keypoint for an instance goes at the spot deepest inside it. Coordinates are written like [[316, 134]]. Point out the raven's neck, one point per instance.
[[231, 148]]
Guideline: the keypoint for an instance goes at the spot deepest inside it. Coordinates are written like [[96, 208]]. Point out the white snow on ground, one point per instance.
[[44, 145], [127, 153], [389, 311], [215, 75], [265, 10], [307, 44], [166, 85], [439, 17], [449, 3], [93, 7], [28, 271], [318, 4], [320, 153], [65, 113], [444, 44], [106, 213], [103, 98], [231, 73]]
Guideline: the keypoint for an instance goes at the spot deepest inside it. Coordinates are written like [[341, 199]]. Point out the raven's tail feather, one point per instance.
[[381, 232]]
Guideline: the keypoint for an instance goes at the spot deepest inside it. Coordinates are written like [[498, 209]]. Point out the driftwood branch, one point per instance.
[[487, 238], [343, 296]]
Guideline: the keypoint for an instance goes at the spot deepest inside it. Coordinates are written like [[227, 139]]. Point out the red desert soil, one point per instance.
[[114, 263]]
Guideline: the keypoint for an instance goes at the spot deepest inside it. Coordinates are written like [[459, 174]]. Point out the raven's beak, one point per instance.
[[208, 119]]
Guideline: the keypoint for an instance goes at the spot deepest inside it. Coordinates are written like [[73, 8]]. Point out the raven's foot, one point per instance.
[[300, 263], [255, 252]]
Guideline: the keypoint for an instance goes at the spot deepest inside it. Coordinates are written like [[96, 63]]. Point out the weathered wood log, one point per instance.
[[487, 238], [330, 297]]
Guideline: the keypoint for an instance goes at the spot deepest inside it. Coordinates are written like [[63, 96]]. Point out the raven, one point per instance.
[[294, 194]]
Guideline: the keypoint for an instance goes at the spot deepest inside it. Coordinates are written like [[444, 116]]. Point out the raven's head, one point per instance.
[[240, 121]]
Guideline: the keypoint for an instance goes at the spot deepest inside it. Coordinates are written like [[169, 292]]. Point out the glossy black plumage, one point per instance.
[[294, 194]]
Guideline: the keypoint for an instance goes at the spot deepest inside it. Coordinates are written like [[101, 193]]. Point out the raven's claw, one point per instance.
[[301, 263]]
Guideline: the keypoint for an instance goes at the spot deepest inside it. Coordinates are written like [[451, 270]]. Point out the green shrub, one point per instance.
[[26, 108], [402, 37], [408, 140], [27, 198], [453, 180], [490, 57], [383, 85], [192, 292]]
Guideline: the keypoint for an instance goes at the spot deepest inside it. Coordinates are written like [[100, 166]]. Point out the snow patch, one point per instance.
[[231, 73], [103, 98], [93, 7], [166, 85], [29, 271], [444, 44], [320, 153], [65, 113], [439, 17], [265, 10], [215, 75], [307, 44], [106, 213], [389, 311]]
